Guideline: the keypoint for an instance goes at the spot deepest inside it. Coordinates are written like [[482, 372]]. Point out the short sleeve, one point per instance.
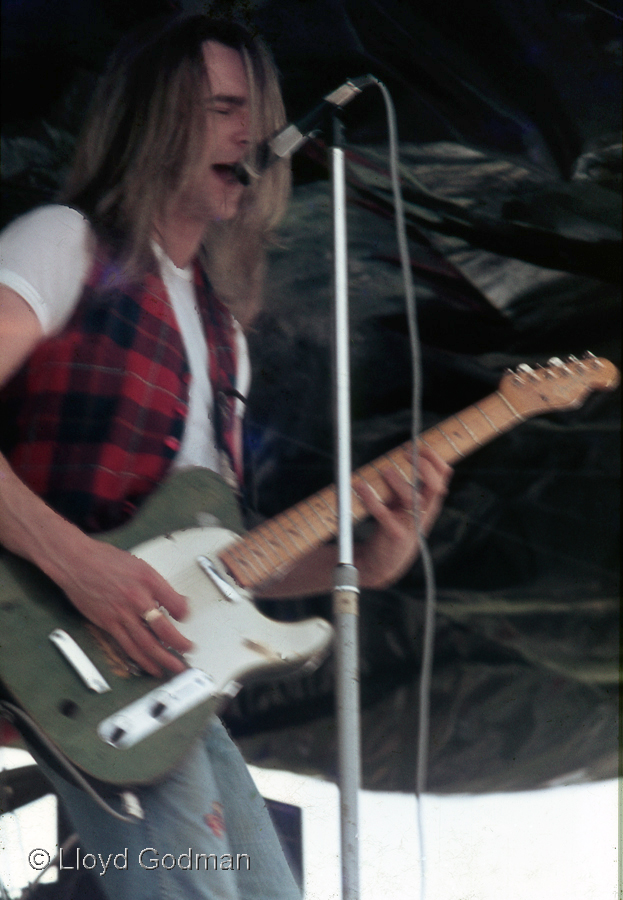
[[45, 257], [243, 374]]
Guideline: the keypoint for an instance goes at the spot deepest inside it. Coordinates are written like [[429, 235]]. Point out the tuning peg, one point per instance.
[[556, 362], [593, 360], [543, 371], [528, 371], [513, 374]]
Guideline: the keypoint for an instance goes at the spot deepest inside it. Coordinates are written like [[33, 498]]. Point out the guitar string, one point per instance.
[[286, 515], [287, 533], [246, 556], [320, 537], [238, 553], [264, 546], [241, 565], [323, 521], [268, 527], [259, 553], [331, 506]]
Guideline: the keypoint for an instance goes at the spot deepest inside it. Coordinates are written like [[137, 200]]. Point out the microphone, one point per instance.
[[289, 139]]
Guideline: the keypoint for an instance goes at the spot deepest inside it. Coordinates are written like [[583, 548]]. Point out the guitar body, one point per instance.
[[191, 524], [234, 641]]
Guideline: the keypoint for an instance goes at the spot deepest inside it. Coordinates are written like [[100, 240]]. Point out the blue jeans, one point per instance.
[[206, 834]]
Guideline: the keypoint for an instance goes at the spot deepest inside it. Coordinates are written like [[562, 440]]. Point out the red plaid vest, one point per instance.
[[94, 419]]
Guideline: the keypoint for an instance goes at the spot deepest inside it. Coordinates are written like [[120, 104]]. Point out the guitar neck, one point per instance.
[[279, 543]]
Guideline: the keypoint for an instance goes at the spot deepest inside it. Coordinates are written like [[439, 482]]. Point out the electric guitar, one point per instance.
[[121, 726]]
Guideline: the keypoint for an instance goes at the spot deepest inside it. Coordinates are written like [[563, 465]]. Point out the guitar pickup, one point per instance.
[[79, 661], [160, 706], [227, 590]]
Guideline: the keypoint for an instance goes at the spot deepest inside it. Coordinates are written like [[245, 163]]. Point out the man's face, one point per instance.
[[217, 192]]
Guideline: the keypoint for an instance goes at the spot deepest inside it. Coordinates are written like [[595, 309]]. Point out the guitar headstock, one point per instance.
[[561, 384]]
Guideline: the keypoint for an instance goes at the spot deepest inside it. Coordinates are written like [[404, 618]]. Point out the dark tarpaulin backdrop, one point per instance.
[[509, 116]]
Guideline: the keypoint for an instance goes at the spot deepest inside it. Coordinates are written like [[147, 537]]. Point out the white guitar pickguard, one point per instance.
[[232, 640]]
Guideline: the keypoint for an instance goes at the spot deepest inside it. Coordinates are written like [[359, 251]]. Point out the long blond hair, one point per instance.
[[144, 134]]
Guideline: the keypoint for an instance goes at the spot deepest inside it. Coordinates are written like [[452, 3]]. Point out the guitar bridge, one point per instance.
[[156, 709]]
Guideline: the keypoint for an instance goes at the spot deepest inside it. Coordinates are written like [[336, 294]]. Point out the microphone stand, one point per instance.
[[346, 591]]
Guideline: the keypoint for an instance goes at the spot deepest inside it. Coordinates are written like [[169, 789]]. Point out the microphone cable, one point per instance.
[[416, 428]]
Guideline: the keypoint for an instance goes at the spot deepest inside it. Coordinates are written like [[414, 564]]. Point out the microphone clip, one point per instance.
[[292, 137]]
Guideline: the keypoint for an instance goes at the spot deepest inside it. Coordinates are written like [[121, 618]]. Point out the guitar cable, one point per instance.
[[16, 715], [416, 427]]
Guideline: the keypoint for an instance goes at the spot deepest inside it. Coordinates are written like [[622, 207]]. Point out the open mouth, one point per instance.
[[226, 172]]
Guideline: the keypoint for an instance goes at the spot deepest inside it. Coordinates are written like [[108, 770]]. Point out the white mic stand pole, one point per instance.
[[346, 591]]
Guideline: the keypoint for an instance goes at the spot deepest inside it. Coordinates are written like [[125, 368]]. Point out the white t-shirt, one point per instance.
[[45, 258]]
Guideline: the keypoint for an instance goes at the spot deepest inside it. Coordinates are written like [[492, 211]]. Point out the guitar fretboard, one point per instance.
[[278, 543]]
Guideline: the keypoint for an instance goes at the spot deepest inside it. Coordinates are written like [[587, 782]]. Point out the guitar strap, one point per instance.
[[220, 335]]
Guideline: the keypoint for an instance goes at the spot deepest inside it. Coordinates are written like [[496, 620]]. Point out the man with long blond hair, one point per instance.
[[122, 315]]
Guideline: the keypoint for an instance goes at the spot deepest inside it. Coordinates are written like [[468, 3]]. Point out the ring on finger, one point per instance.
[[152, 615]]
